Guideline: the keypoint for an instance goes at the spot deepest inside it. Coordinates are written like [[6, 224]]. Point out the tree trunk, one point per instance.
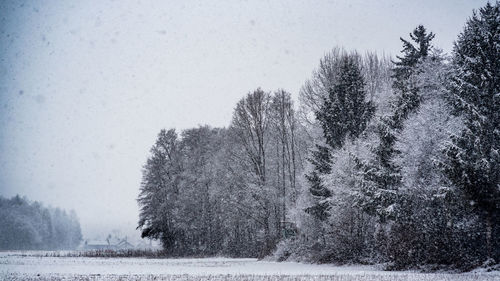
[[489, 250]]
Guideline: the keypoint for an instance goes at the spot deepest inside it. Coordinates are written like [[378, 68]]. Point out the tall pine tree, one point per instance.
[[473, 156], [343, 116], [321, 163], [408, 97], [383, 175], [345, 112]]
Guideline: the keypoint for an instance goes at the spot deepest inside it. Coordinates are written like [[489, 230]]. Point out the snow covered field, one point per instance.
[[22, 266]]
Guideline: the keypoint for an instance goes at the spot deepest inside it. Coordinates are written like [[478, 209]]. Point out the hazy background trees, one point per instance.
[[29, 225]]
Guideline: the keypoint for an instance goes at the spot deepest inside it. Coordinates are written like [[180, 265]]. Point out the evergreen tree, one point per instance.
[[408, 99], [320, 161], [473, 156], [383, 175], [344, 115]]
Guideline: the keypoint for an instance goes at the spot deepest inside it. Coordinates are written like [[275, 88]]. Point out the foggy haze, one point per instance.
[[85, 87]]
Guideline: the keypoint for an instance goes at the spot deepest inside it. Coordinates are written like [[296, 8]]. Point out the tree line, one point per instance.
[[29, 225], [382, 161]]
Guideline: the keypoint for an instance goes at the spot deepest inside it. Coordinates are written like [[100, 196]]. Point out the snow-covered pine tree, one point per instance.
[[383, 175], [320, 160], [345, 112], [473, 156], [312, 96], [408, 98], [344, 115]]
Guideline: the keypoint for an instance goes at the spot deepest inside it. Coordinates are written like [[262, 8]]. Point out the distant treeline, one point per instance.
[[383, 161], [26, 225]]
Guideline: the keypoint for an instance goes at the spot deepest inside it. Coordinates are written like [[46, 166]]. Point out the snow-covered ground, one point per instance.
[[19, 266]]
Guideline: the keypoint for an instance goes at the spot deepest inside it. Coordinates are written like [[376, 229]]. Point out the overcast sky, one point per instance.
[[85, 86]]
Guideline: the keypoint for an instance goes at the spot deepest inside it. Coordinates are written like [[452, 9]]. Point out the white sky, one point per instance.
[[85, 86]]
